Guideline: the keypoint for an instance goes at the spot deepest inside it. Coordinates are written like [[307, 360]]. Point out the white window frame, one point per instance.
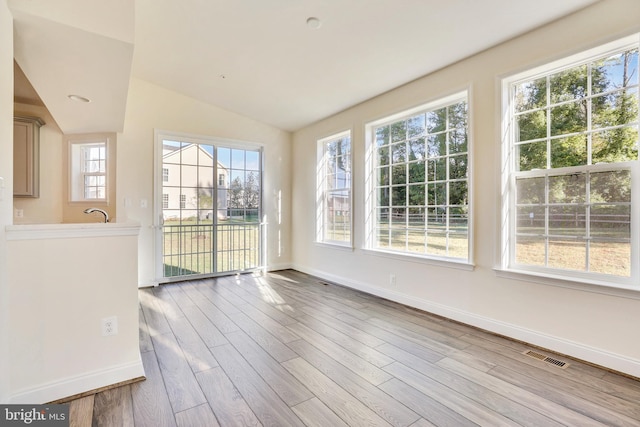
[[548, 275], [465, 263], [162, 136], [77, 174], [322, 206]]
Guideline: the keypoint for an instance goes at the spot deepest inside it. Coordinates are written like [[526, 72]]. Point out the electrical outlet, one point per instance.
[[109, 326], [19, 213], [392, 279]]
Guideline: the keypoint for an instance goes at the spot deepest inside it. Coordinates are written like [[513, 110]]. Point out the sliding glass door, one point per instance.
[[208, 208]]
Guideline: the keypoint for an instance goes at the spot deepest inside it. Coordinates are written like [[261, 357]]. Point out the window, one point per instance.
[[165, 174], [88, 171], [572, 154], [207, 229], [419, 188], [334, 189]]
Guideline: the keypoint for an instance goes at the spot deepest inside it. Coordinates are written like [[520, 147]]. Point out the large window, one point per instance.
[[572, 167], [418, 164], [334, 189], [209, 210]]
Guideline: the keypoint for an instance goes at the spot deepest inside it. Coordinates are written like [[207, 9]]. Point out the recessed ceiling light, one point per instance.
[[78, 98], [314, 23]]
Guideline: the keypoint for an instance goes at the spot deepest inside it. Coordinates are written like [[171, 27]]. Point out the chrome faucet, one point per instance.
[[91, 210]]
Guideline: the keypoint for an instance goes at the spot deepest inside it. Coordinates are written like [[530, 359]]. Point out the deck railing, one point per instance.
[[196, 249]]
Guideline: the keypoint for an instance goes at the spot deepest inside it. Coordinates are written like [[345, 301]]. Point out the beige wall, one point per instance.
[[151, 107], [56, 343], [49, 206], [6, 172], [580, 322]]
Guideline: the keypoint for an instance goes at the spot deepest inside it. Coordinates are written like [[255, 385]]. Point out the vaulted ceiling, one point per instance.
[[259, 58]]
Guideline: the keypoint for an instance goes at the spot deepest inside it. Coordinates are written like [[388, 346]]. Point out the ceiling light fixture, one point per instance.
[[78, 98], [314, 23]]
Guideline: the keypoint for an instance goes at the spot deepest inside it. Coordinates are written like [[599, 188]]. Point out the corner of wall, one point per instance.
[[6, 184]]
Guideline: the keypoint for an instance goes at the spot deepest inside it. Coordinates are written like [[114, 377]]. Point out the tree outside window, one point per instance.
[[574, 147], [420, 185]]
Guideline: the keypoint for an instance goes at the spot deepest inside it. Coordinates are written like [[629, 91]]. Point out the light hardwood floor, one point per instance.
[[286, 349]]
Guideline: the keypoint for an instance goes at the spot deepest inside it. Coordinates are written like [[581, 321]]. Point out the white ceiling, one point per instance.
[[254, 57], [77, 47]]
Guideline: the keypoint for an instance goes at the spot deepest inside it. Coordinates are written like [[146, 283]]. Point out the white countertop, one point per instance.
[[75, 230]]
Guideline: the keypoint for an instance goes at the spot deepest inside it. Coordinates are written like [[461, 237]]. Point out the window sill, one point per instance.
[[599, 287], [440, 262], [96, 202], [347, 247]]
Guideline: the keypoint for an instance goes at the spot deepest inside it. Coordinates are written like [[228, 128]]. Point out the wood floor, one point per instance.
[[287, 350]]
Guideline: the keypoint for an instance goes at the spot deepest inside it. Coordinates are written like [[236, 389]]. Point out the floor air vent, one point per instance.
[[546, 359]]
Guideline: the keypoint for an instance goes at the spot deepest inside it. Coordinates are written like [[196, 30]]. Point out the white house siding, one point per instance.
[[196, 175]]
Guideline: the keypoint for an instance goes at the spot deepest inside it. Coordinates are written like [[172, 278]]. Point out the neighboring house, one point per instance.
[[189, 183], [340, 202]]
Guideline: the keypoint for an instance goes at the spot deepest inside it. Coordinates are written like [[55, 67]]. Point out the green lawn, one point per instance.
[[189, 248], [199, 248], [604, 257]]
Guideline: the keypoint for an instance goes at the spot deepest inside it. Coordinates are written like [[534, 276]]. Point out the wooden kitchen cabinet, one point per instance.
[[26, 156]]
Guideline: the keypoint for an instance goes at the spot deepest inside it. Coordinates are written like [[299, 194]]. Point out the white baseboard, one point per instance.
[[276, 267], [577, 350], [71, 386], [147, 284]]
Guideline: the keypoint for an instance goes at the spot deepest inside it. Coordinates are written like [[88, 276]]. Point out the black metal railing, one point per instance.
[[208, 249]]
